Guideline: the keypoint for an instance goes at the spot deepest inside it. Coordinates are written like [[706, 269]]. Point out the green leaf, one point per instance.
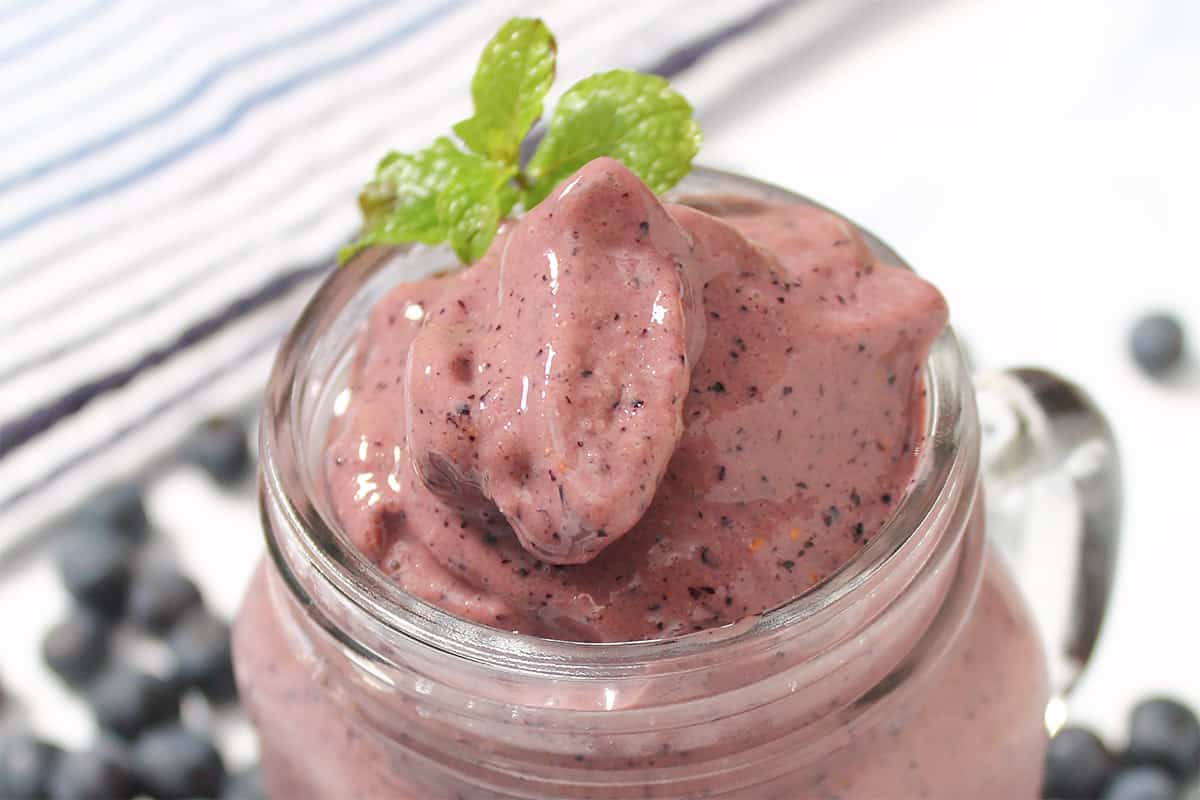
[[637, 119], [446, 194], [507, 197], [469, 206], [514, 73], [435, 195]]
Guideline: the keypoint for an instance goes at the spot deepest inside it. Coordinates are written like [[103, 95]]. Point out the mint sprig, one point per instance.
[[637, 119], [439, 194], [457, 192], [514, 73]]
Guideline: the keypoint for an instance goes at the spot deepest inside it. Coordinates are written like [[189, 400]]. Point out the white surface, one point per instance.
[[1037, 161]]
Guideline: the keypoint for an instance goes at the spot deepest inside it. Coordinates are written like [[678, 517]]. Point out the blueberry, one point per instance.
[[95, 565], [246, 785], [127, 701], [76, 648], [1165, 732], [159, 596], [219, 447], [1141, 783], [1157, 343], [174, 762], [26, 765], [1078, 765], [103, 772], [203, 656], [118, 508]]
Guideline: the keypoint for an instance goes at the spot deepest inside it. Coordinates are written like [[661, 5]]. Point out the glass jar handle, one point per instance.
[[1053, 492]]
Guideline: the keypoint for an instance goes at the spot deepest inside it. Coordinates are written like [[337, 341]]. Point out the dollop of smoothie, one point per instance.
[[632, 420], [550, 384]]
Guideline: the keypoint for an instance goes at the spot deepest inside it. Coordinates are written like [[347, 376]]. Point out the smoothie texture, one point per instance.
[[634, 419]]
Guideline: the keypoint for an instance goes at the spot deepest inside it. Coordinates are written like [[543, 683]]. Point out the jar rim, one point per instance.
[[944, 472]]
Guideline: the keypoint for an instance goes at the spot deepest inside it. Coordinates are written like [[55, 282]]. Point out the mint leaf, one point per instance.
[[435, 195], [469, 204], [637, 119], [514, 73], [447, 194]]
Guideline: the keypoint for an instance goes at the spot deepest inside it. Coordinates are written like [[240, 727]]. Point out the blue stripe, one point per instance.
[[87, 59], [78, 458], [258, 98], [113, 90], [17, 431], [14, 274], [66, 346], [16, 8], [197, 90], [51, 32], [220, 180]]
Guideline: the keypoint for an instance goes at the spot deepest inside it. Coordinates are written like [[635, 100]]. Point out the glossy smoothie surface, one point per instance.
[[633, 419]]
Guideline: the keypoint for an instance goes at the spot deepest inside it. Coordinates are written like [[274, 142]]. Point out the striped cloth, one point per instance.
[[174, 178]]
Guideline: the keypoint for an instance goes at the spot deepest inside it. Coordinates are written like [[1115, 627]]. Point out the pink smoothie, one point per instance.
[[632, 420], [973, 729]]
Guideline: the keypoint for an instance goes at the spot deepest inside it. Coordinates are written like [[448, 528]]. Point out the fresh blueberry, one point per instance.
[[175, 763], [26, 765], [1141, 783], [127, 701], [1157, 343], [1165, 732], [203, 655], [77, 647], [246, 785], [118, 508], [95, 565], [1078, 765], [159, 596], [103, 772], [219, 447]]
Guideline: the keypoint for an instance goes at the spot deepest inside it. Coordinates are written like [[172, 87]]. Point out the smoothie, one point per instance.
[[633, 420]]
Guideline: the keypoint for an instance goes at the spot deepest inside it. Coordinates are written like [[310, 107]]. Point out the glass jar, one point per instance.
[[913, 672]]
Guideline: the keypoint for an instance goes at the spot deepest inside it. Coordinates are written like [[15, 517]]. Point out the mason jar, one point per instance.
[[915, 671]]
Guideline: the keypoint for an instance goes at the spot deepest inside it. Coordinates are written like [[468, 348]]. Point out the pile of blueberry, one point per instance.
[[1160, 762], [143, 749]]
